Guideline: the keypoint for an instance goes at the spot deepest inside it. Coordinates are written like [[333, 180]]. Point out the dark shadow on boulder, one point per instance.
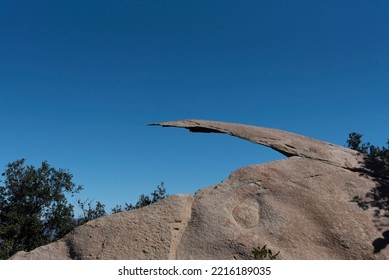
[[72, 252], [378, 197], [380, 243]]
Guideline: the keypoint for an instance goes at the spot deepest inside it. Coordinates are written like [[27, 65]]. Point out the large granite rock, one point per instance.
[[323, 202]]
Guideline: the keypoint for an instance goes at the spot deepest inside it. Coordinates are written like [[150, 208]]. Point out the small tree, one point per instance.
[[33, 206], [144, 200], [354, 142], [89, 212]]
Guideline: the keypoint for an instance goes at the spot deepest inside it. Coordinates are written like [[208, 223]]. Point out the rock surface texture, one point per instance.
[[323, 202]]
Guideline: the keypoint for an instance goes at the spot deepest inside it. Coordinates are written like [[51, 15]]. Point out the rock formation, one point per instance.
[[323, 202]]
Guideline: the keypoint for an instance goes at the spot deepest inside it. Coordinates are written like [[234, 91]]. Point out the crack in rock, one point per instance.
[[177, 229]]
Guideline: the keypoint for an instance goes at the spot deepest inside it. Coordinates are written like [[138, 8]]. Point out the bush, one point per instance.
[[354, 142], [263, 253], [144, 200]]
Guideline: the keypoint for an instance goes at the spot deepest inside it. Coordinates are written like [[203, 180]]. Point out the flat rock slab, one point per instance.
[[287, 143]]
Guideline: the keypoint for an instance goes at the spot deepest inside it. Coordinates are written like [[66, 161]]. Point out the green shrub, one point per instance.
[[263, 253]]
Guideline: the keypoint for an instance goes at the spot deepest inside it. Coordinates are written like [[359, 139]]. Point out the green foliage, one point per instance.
[[89, 212], [117, 209], [263, 253], [33, 207], [144, 200], [354, 142]]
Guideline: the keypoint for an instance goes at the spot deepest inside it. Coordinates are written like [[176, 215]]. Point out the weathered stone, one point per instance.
[[152, 232], [288, 144], [323, 202]]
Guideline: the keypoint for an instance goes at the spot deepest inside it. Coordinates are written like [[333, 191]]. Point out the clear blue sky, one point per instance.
[[80, 81]]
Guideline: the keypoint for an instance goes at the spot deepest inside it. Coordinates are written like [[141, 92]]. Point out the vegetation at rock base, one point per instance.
[[264, 253], [89, 211], [34, 210]]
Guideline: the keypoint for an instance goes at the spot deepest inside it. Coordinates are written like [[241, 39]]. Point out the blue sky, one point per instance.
[[80, 81]]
